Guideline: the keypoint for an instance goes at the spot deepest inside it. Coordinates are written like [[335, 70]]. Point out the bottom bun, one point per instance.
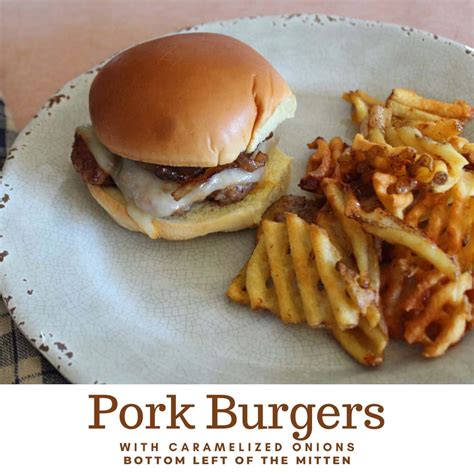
[[205, 217]]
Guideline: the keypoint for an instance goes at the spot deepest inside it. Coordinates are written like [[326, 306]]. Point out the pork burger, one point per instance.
[[180, 144]]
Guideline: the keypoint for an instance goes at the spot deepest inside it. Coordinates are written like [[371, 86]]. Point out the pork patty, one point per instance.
[[86, 165], [231, 194]]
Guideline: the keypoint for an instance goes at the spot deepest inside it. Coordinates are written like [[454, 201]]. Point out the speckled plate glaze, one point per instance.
[[107, 305]]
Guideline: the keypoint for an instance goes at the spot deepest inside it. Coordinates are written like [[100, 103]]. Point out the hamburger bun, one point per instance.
[[195, 99]]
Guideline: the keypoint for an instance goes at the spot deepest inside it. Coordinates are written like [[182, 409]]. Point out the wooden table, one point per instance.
[[45, 43]]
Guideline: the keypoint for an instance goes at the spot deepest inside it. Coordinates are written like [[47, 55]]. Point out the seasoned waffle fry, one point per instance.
[[360, 108], [377, 335], [466, 255], [454, 233], [392, 138], [237, 290], [448, 217], [393, 230], [467, 150], [361, 102], [460, 144], [413, 137], [319, 165], [346, 313], [368, 99], [394, 278], [467, 183], [364, 298], [393, 202], [408, 113], [362, 243], [259, 283], [282, 272], [425, 282], [442, 130], [362, 144], [392, 155], [455, 161], [432, 172], [422, 209], [328, 221], [451, 325], [337, 147], [322, 156], [366, 349], [459, 110], [314, 298], [378, 119]]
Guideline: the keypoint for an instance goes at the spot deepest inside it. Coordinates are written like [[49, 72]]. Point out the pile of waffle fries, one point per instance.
[[386, 247]]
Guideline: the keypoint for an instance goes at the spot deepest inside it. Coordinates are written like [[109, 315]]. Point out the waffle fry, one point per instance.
[[425, 281], [459, 109], [259, 283], [319, 165], [333, 227], [365, 158], [322, 156], [407, 180], [361, 102], [396, 232], [455, 161], [345, 310], [447, 218], [378, 119], [466, 256], [393, 286], [365, 298], [450, 322], [367, 348], [361, 242], [283, 275], [408, 113], [237, 290], [440, 130], [314, 298], [467, 150], [395, 203]]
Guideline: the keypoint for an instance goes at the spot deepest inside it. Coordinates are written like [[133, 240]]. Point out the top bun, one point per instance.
[[196, 99]]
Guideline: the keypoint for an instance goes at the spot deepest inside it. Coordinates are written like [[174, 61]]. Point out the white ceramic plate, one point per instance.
[[108, 305]]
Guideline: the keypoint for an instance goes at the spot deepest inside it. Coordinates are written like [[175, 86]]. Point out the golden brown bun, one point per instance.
[[196, 99], [205, 218]]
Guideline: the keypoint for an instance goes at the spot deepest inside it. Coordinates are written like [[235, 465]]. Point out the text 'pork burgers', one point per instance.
[[180, 144]]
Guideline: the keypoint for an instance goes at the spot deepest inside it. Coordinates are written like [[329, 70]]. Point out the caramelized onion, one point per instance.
[[247, 162]]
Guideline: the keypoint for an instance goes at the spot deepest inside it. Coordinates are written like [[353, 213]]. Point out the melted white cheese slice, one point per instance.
[[147, 193]]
